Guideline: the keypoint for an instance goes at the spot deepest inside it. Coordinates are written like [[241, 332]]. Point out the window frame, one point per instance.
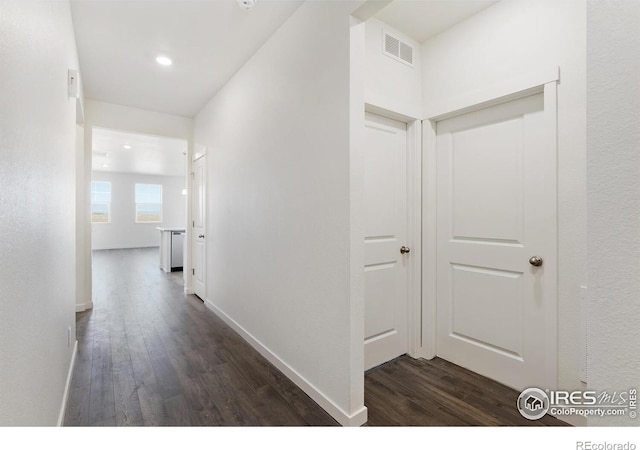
[[108, 204]]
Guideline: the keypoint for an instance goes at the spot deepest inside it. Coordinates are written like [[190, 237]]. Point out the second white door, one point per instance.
[[385, 234]]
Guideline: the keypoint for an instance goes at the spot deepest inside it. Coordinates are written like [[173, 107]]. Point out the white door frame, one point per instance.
[[414, 224], [510, 89]]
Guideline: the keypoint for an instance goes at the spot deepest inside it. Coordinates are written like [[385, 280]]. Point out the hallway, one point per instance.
[[149, 355]]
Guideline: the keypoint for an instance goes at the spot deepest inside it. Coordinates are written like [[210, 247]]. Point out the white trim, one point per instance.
[[550, 187], [81, 307], [356, 419], [67, 386], [494, 93], [429, 236], [582, 360], [414, 238], [123, 247], [356, 218], [388, 113]]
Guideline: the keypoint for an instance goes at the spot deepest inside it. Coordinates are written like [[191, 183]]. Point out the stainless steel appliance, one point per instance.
[[177, 245]]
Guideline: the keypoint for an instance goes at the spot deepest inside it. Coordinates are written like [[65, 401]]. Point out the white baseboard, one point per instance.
[[67, 385], [125, 247], [353, 420]]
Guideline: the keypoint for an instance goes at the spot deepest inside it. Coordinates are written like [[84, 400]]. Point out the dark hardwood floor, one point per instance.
[[417, 392], [149, 355]]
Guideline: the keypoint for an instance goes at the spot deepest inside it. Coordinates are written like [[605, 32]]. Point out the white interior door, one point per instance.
[[495, 212], [198, 236], [385, 233]]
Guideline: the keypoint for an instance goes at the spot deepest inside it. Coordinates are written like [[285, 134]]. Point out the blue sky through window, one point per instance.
[[148, 202]]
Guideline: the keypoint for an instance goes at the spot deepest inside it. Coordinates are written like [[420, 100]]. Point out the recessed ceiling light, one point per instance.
[[164, 60], [126, 147], [105, 165], [246, 4]]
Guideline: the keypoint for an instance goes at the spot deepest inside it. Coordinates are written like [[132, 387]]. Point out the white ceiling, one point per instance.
[[208, 40], [422, 19], [151, 155]]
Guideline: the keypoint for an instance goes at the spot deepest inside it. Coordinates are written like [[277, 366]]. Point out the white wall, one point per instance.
[[278, 255], [134, 120], [613, 169], [123, 231], [389, 83], [37, 181], [506, 39]]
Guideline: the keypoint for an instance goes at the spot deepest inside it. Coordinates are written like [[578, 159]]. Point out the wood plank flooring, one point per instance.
[[417, 392], [149, 355]]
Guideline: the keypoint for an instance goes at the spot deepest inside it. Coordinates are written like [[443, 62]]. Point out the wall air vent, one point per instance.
[[397, 49]]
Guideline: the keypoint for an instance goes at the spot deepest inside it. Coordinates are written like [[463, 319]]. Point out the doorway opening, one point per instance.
[[138, 197]]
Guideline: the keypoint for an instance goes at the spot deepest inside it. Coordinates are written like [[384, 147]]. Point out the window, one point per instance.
[[100, 202], [148, 203]]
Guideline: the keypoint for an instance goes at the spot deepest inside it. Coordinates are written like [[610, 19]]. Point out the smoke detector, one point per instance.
[[246, 4]]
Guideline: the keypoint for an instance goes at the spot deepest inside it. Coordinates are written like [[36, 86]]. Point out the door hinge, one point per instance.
[[193, 224], [193, 271]]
